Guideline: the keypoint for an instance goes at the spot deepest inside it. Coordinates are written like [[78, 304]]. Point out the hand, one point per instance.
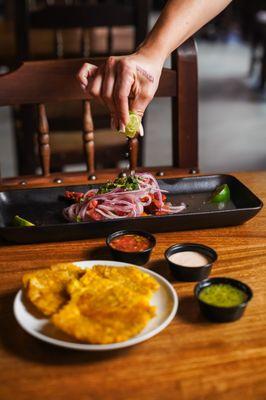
[[123, 83]]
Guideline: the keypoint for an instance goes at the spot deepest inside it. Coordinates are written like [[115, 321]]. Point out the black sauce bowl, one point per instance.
[[191, 274], [223, 314], [136, 257]]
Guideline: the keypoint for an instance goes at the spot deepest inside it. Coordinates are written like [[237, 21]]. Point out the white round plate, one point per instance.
[[165, 300]]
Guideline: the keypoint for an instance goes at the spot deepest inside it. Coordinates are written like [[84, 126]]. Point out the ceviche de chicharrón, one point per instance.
[[132, 196]]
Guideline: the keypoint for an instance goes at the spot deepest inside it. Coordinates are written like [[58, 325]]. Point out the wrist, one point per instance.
[[151, 53]]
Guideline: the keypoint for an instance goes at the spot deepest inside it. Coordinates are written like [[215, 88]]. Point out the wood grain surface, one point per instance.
[[191, 359]]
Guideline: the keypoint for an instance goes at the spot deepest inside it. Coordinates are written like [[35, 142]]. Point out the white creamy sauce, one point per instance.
[[189, 259]]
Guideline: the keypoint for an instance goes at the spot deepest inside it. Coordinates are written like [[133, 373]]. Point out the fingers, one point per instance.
[[113, 83], [122, 89], [141, 130], [108, 90], [138, 105], [94, 87], [87, 71], [142, 92]]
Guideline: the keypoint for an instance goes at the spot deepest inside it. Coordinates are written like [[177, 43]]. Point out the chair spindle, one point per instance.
[[85, 43], [88, 138], [44, 140], [133, 153], [109, 40], [59, 43]]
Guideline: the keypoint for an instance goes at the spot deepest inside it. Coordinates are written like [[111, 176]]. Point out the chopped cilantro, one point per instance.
[[127, 183]]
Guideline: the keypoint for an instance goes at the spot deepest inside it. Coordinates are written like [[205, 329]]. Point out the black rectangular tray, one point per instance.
[[44, 208]]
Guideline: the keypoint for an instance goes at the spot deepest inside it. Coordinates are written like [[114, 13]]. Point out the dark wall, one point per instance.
[[1, 7]]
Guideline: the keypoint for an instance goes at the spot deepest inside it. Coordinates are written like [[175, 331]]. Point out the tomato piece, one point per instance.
[[76, 196], [90, 194], [161, 213], [93, 204], [94, 215], [144, 199], [156, 203]]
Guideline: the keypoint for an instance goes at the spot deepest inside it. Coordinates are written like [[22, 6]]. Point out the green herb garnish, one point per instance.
[[127, 183]]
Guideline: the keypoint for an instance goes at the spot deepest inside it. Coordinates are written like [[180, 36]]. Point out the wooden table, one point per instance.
[[191, 359]]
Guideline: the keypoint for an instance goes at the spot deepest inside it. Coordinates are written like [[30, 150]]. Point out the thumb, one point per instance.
[[138, 106], [138, 101]]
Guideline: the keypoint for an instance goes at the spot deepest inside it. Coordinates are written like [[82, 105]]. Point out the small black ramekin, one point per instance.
[[136, 257], [223, 314], [191, 274]]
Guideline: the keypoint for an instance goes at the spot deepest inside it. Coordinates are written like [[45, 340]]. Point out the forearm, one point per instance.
[[130, 82], [178, 21]]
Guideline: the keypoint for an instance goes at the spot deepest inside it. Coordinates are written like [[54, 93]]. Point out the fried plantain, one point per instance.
[[46, 288], [104, 312], [104, 304], [89, 278], [130, 277]]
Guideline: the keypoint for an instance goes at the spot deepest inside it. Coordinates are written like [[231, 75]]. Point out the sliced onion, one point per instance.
[[117, 201]]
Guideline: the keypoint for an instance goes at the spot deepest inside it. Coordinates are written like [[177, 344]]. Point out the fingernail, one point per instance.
[[83, 86], [122, 127], [141, 130]]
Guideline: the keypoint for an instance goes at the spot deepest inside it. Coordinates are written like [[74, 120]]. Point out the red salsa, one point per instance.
[[130, 243]]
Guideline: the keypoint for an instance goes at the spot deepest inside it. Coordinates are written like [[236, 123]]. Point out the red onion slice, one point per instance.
[[130, 203]]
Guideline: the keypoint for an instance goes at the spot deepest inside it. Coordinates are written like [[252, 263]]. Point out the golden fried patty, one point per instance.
[[104, 312], [130, 277], [46, 288], [89, 278], [104, 304]]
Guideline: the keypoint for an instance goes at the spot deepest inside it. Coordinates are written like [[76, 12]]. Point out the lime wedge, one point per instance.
[[18, 221], [133, 126], [221, 194]]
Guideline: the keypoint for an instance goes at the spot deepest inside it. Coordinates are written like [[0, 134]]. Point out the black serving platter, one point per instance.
[[44, 208]]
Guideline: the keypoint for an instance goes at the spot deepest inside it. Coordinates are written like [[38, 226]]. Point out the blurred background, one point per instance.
[[232, 89]]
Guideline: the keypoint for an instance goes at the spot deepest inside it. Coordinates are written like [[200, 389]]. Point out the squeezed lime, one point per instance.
[[133, 125], [18, 221], [221, 194]]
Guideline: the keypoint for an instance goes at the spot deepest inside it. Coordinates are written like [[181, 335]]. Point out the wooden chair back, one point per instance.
[[85, 14], [42, 82], [57, 16]]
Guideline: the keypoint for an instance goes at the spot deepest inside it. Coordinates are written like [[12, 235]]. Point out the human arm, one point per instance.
[[130, 82]]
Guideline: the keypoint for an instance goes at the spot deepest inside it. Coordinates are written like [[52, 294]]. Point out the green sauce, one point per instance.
[[222, 295]]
